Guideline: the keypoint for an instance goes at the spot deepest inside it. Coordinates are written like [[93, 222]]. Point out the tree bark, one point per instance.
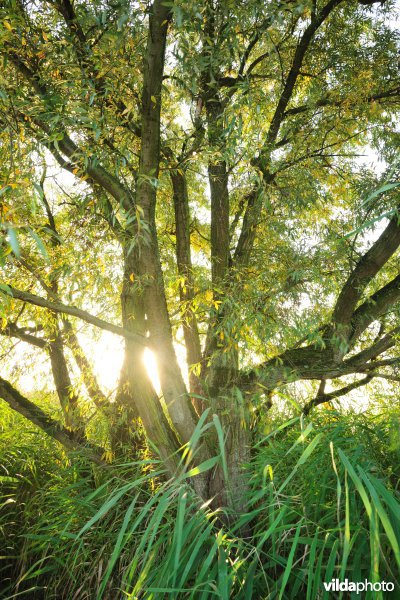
[[186, 287], [136, 394], [173, 387], [65, 391]]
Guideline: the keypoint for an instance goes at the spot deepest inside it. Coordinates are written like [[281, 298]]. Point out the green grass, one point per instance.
[[323, 502]]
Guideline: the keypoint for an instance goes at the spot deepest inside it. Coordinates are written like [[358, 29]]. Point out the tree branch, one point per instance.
[[327, 101], [321, 398], [184, 264], [254, 207], [88, 377], [256, 37], [366, 269], [310, 362], [106, 180], [375, 306], [294, 72], [53, 428], [12, 330], [73, 311], [361, 359]]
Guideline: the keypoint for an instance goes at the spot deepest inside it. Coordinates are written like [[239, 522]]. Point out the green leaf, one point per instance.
[[289, 563], [39, 243], [203, 467], [307, 452], [221, 442], [39, 190], [13, 241], [368, 223], [382, 515], [381, 190]]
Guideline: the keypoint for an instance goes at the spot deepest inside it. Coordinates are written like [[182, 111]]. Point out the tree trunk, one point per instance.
[[173, 387], [186, 287], [136, 393], [229, 486], [66, 394]]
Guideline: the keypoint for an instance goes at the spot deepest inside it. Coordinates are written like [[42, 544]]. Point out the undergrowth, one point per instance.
[[323, 503]]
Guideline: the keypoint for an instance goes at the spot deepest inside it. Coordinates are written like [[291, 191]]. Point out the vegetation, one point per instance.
[[193, 175], [126, 532]]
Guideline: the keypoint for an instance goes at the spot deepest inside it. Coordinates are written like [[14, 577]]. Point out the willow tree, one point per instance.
[[219, 199]]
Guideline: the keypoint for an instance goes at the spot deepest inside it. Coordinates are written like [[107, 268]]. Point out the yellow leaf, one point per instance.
[[7, 25], [107, 456], [132, 277], [45, 36], [154, 100], [209, 295]]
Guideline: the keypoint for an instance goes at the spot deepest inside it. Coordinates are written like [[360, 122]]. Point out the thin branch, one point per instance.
[[294, 72], [256, 37], [384, 376], [88, 377], [328, 101], [253, 210], [382, 345], [106, 180], [12, 330], [74, 311], [321, 398]]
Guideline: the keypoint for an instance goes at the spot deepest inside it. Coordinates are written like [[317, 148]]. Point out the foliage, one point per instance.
[[190, 178], [323, 503]]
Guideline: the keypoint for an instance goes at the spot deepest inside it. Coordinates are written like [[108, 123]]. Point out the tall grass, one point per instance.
[[323, 503]]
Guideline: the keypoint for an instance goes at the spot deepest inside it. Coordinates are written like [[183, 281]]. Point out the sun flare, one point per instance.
[[108, 355], [150, 363]]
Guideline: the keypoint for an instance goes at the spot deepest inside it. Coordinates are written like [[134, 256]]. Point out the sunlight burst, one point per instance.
[[150, 363]]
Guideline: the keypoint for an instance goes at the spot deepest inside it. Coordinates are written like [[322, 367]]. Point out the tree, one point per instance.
[[218, 197]]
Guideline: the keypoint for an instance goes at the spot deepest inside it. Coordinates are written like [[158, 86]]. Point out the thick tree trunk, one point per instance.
[[173, 387], [228, 484], [136, 393]]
